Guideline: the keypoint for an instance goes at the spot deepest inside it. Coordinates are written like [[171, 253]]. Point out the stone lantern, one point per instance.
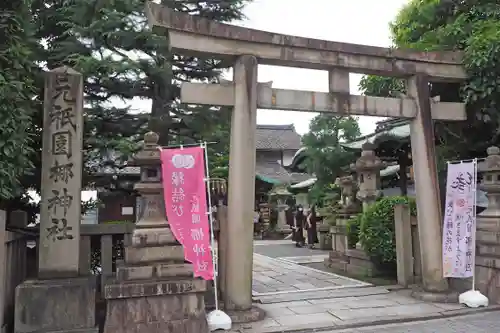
[[490, 169], [368, 168], [154, 278], [281, 194], [151, 212], [347, 186]]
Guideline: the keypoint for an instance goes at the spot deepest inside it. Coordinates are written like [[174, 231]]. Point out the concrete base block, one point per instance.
[[59, 305], [246, 316], [434, 297], [156, 307], [325, 241]]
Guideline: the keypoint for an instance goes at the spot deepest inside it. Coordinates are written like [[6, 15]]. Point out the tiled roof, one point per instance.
[[268, 137], [276, 137], [274, 171]]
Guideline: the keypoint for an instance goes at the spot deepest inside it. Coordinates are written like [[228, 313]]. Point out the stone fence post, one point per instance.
[[404, 244]]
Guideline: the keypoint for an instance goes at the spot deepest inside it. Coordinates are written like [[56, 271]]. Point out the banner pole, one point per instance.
[[211, 219], [474, 228]]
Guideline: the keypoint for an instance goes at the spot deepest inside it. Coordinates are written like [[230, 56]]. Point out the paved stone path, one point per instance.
[[478, 323], [299, 298], [338, 313], [286, 248], [275, 277]]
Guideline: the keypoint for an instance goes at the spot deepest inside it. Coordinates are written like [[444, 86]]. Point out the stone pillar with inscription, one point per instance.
[[59, 300], [154, 289]]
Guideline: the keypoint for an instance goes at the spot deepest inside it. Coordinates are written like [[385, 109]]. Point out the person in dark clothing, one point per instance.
[[298, 228], [312, 234]]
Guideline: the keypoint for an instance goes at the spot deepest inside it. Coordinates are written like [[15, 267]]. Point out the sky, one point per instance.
[[351, 21]]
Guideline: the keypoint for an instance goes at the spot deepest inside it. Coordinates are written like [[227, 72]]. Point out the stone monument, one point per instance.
[[154, 289], [59, 301]]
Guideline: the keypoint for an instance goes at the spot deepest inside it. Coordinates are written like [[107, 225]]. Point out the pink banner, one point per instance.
[[183, 172]]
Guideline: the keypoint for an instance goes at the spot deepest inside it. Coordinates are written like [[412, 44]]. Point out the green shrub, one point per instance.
[[377, 229], [353, 226]]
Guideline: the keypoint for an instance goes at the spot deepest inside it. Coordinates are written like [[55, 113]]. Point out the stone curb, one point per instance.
[[348, 324]]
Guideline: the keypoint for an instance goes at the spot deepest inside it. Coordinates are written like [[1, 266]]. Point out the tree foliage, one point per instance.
[[376, 230], [326, 156], [474, 28], [121, 59], [17, 90]]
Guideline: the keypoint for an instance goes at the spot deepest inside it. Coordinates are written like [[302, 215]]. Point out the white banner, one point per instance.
[[460, 220]]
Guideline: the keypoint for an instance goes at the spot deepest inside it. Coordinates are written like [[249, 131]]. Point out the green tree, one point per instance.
[[326, 156], [17, 90], [474, 28], [109, 42]]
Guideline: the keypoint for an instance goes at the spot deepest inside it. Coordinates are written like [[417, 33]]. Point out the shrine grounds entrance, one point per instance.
[[246, 48]]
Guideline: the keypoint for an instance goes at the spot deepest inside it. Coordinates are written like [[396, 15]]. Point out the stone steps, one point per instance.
[[321, 294]]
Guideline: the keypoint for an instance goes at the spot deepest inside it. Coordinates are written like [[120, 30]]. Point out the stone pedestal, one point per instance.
[[360, 263], [59, 305], [282, 227], [325, 239], [154, 290], [339, 237]]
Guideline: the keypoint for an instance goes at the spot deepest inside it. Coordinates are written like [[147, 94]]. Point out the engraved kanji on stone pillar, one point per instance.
[[368, 168], [60, 210]]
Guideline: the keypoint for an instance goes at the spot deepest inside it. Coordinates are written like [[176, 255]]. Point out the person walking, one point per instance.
[[298, 228], [312, 233]]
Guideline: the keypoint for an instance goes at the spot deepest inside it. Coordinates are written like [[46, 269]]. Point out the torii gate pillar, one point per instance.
[[241, 191]]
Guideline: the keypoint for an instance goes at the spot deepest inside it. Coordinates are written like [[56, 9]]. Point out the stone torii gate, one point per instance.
[[247, 48]]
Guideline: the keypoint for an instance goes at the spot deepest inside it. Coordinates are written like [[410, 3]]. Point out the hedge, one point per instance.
[[377, 229]]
